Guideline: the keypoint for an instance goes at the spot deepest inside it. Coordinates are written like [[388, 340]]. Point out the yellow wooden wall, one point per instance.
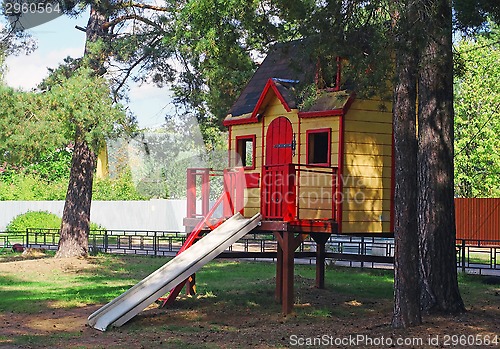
[[367, 167], [314, 192]]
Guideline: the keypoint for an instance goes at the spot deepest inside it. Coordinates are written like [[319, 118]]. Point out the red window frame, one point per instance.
[[328, 131], [239, 140]]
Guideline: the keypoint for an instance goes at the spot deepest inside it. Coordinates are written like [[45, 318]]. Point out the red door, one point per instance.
[[278, 190], [279, 138]]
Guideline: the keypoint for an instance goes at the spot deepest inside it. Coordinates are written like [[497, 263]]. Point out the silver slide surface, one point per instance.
[[130, 303]]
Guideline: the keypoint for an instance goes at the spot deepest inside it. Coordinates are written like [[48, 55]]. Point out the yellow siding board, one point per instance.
[[364, 216], [275, 109], [316, 204], [369, 116], [252, 192], [314, 214], [243, 130], [367, 182], [367, 149], [250, 211], [368, 138], [368, 171], [254, 128], [322, 122], [367, 193], [368, 127], [252, 202], [361, 227], [316, 180], [315, 193], [367, 205], [370, 104]]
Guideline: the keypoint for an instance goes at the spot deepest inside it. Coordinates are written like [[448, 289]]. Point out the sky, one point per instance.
[[58, 39]]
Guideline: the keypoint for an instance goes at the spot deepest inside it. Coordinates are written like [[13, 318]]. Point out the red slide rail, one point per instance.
[[231, 198]]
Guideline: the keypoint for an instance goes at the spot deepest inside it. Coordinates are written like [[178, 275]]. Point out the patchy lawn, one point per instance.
[[44, 303]]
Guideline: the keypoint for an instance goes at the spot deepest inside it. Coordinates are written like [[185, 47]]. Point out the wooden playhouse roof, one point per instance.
[[287, 65], [284, 68]]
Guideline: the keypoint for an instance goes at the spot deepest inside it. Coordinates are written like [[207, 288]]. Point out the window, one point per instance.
[[245, 147], [318, 146]]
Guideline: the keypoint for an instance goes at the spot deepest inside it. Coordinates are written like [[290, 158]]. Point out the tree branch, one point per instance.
[[133, 66], [124, 18], [130, 4]]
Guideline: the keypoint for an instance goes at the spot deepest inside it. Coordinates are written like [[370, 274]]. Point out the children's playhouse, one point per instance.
[[296, 169], [318, 168]]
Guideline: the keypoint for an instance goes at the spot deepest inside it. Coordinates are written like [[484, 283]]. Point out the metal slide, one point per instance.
[[130, 303]]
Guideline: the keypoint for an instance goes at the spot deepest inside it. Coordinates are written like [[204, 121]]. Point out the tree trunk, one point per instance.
[[439, 286], [75, 224], [76, 215], [406, 276]]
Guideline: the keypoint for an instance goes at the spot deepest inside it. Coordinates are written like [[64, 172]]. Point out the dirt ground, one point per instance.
[[206, 325]]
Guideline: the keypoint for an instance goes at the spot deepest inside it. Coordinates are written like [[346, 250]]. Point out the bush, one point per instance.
[[31, 187], [39, 219], [121, 188]]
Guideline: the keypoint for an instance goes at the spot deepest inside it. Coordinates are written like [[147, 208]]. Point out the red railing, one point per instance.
[[232, 199], [232, 196], [283, 194]]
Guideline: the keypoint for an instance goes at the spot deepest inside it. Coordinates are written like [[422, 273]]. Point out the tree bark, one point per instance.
[[75, 224], [439, 285], [406, 277], [76, 215]]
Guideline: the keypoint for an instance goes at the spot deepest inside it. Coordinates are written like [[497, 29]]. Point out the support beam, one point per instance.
[[287, 243], [279, 274], [288, 274], [320, 239], [191, 285]]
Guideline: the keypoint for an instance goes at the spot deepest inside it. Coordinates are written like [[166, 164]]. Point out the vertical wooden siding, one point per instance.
[[477, 219], [366, 206]]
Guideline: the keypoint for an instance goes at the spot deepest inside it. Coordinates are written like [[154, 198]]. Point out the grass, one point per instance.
[[30, 293], [237, 284], [231, 295]]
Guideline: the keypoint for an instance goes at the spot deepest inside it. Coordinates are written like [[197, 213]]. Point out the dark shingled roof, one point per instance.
[[288, 65]]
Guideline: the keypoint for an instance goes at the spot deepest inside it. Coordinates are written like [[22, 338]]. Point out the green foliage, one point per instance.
[[212, 38], [52, 166], [27, 130], [477, 118], [120, 188], [34, 219], [82, 102], [474, 14], [21, 186], [2, 65], [31, 187], [38, 219], [219, 42], [33, 124]]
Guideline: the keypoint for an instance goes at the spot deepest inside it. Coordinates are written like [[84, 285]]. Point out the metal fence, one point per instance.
[[473, 256]]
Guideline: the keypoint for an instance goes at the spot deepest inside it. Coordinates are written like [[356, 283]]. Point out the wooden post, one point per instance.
[[320, 239], [279, 271], [191, 285], [288, 243], [288, 274]]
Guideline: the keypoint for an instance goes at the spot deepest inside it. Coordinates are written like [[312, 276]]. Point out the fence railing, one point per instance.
[[473, 256]]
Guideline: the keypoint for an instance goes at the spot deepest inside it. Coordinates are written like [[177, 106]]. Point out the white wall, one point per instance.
[[159, 214]]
